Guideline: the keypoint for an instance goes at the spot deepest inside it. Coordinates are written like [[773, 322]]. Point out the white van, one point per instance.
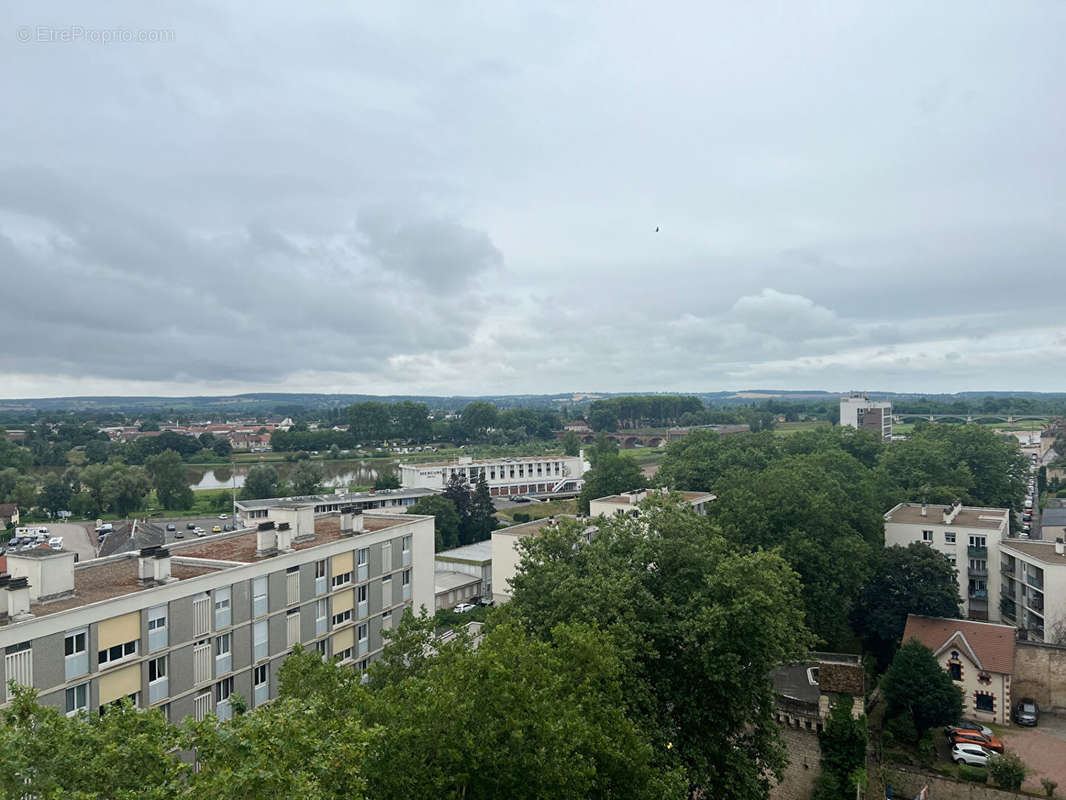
[[56, 542]]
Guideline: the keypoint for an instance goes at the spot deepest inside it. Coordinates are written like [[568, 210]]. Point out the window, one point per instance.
[[956, 671], [406, 548], [344, 655], [978, 541], [386, 557], [320, 648], [978, 564], [157, 628], [406, 584], [342, 580], [952, 558], [949, 537], [260, 685], [201, 614], [77, 699], [223, 653], [361, 599], [927, 536], [222, 609], [201, 706], [76, 653], [292, 586], [201, 662], [259, 675], [223, 689], [984, 702], [362, 635], [118, 652], [321, 610], [361, 560], [386, 621], [157, 669], [341, 618], [292, 628], [134, 698], [259, 596], [260, 640]]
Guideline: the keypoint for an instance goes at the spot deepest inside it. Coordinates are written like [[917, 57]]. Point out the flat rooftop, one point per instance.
[[445, 581], [1041, 551], [625, 500], [968, 516], [333, 499], [476, 552], [242, 546], [109, 579], [470, 461], [532, 527], [794, 681]]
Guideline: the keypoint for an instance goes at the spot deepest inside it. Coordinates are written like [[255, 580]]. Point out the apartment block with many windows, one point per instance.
[[1033, 588], [969, 536], [182, 628], [504, 476]]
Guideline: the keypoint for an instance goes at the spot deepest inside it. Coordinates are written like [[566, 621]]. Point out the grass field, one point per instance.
[[789, 428]]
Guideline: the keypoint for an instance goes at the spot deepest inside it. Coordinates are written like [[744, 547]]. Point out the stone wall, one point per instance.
[[906, 783], [1040, 673], [804, 754]]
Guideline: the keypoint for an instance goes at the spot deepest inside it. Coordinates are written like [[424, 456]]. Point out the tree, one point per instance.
[[477, 417], [1008, 771], [261, 482], [207, 440], [24, 494], [843, 743], [917, 686], [445, 519], [386, 479], [691, 616], [8, 479], [222, 448], [306, 478], [125, 488], [699, 460], [907, 580], [571, 444], [458, 492], [97, 451], [482, 511], [611, 473], [55, 495], [169, 479]]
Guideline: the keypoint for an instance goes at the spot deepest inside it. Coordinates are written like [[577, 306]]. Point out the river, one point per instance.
[[339, 474]]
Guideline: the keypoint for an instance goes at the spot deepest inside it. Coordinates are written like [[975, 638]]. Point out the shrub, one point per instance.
[[902, 729], [1007, 770], [975, 774], [1049, 786], [521, 516], [926, 749], [827, 787]]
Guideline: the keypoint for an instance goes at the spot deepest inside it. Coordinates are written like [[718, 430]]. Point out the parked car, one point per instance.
[[967, 724], [462, 608], [190, 526], [172, 527], [974, 737], [972, 754], [56, 542], [199, 531], [179, 535], [223, 516], [217, 529], [1026, 712]]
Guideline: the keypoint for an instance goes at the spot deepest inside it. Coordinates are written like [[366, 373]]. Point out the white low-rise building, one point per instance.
[[627, 502], [504, 476], [969, 536]]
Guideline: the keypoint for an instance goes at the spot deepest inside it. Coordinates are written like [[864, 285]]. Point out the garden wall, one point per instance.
[[804, 754], [1040, 673], [906, 782]]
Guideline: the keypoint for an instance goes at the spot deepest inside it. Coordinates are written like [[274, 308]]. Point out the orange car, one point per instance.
[[976, 737]]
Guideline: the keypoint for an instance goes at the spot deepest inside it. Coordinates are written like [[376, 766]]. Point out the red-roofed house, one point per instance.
[[979, 656]]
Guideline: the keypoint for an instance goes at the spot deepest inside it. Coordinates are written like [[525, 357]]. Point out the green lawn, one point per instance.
[[538, 510], [789, 428]]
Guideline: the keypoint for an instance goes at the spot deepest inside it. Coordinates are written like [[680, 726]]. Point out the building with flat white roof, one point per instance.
[[969, 536], [627, 502], [255, 511], [504, 476], [473, 559], [859, 411]]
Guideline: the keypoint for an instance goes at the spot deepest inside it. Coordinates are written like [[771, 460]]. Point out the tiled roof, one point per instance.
[[990, 645], [842, 678]]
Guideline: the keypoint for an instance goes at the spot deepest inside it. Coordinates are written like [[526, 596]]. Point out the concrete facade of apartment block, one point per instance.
[[969, 536], [1033, 589], [504, 476], [184, 627]]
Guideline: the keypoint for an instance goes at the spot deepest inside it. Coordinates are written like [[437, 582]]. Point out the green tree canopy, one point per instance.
[[916, 686], [306, 478], [261, 482], [611, 473], [843, 743], [169, 479], [906, 580], [446, 519], [691, 617]]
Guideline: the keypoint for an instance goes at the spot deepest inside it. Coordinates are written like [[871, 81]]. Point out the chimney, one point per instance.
[[18, 598], [145, 566], [952, 511], [161, 565], [1059, 549], [284, 538], [266, 541], [347, 513], [925, 509]]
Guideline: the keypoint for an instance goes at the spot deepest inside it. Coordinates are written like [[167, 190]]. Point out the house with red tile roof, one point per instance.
[[979, 657]]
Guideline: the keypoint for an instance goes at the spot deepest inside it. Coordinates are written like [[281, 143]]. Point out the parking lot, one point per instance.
[[155, 531], [1043, 749]]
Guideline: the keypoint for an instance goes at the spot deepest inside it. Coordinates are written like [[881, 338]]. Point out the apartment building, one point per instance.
[[1033, 588], [627, 502], [506, 554], [183, 628], [504, 476], [859, 411], [470, 559], [969, 536], [255, 511]]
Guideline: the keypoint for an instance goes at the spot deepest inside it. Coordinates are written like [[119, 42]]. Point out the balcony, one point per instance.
[[977, 552], [1036, 581], [979, 572], [1008, 608], [979, 594]]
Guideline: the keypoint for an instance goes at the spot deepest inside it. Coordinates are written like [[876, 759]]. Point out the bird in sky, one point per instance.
[[656, 228]]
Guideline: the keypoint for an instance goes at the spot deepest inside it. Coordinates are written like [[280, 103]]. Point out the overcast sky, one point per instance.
[[462, 198]]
